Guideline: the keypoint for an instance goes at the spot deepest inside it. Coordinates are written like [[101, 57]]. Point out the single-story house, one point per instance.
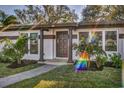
[[56, 41]]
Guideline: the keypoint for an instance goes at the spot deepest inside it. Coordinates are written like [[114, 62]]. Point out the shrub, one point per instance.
[[116, 60], [93, 49], [14, 52], [101, 60], [4, 59]]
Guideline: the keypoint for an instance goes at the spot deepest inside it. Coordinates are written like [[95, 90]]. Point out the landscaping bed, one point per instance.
[[65, 77], [23, 63]]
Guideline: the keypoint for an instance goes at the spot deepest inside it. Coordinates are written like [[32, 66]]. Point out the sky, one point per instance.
[[9, 9]]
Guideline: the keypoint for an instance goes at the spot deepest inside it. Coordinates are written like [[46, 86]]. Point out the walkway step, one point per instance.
[[53, 63], [25, 75]]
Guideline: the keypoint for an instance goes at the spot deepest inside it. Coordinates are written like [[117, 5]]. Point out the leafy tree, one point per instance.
[[101, 13], [46, 14], [91, 13], [7, 19]]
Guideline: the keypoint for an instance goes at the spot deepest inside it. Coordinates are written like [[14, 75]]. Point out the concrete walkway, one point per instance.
[[26, 75]]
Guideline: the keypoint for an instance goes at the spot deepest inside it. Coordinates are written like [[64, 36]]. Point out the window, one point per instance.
[[26, 45], [84, 35], [99, 38], [111, 40], [34, 43]]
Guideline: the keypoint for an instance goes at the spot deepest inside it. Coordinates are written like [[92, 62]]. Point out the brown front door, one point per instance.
[[62, 44]]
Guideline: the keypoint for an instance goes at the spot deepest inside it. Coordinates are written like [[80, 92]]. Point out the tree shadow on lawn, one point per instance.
[[72, 84], [67, 78]]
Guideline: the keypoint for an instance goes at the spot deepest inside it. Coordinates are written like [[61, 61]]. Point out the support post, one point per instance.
[[41, 45], [70, 60]]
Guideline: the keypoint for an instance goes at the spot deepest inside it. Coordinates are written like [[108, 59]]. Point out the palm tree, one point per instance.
[[2, 16], [7, 19]]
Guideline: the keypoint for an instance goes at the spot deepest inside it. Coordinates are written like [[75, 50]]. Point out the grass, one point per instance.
[[4, 71], [65, 77]]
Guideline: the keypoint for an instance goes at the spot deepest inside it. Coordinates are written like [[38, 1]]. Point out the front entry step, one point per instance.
[[55, 61]]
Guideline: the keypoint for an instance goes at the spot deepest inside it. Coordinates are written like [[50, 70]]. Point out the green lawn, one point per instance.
[[65, 76], [4, 71]]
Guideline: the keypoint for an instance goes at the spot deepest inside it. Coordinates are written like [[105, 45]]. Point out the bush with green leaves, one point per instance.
[[4, 58], [14, 52], [93, 49], [101, 60], [116, 60]]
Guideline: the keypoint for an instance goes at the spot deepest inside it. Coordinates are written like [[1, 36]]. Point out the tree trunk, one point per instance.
[[19, 61]]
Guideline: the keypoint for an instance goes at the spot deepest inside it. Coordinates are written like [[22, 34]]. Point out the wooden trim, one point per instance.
[[54, 36], [9, 37], [38, 26], [74, 36], [121, 36], [45, 37], [49, 36], [63, 25]]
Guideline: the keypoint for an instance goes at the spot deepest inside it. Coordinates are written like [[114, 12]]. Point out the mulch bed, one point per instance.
[[93, 66], [23, 63]]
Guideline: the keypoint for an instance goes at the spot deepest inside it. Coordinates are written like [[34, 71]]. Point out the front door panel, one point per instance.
[[62, 44]]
